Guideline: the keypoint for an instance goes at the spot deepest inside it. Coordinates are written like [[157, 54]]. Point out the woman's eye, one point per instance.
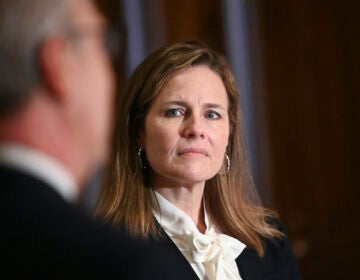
[[173, 113], [212, 115]]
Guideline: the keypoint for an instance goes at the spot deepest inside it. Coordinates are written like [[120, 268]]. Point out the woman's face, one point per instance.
[[187, 128]]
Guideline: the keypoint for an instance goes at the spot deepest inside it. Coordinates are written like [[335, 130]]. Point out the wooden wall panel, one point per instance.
[[310, 94], [195, 19]]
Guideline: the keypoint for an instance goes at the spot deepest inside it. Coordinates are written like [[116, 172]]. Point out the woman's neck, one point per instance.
[[188, 199]]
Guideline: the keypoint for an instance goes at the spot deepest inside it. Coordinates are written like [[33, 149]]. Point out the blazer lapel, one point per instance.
[[182, 265]]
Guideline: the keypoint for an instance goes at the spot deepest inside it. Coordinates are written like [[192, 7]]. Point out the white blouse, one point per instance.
[[212, 255]]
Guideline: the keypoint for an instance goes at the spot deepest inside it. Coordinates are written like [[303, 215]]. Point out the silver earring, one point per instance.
[[141, 160], [228, 163]]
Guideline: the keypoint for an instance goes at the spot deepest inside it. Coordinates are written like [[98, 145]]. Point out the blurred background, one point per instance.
[[297, 67]]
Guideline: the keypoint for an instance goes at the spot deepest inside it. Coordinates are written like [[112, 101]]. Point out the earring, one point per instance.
[[228, 163], [141, 161]]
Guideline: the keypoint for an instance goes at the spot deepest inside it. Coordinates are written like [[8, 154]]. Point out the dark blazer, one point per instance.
[[43, 236], [278, 262]]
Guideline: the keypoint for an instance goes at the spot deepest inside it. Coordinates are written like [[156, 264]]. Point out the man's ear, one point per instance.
[[52, 63]]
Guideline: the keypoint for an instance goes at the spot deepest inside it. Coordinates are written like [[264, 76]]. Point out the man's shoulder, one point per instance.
[[47, 236]]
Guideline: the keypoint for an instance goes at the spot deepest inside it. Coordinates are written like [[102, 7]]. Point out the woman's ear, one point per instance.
[[140, 139]]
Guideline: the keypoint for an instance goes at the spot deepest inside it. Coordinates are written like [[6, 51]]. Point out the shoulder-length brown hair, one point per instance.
[[230, 197]]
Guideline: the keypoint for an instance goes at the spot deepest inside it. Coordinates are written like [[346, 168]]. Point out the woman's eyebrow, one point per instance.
[[215, 106], [175, 102], [184, 103]]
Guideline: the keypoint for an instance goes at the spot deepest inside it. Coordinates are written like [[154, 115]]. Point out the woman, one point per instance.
[[179, 175]]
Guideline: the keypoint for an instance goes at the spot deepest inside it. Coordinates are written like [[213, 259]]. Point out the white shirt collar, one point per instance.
[[174, 220], [41, 166], [212, 254]]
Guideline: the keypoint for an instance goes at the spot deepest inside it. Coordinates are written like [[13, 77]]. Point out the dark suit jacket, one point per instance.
[[44, 237], [278, 262]]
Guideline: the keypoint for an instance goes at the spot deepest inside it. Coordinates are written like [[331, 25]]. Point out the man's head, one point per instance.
[[56, 77], [24, 25]]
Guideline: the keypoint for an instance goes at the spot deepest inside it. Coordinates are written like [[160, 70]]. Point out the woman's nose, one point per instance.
[[193, 127]]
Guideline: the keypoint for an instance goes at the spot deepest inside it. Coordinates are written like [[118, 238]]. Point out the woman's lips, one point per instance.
[[193, 151]]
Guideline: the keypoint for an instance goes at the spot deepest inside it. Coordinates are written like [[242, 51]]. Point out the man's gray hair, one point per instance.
[[24, 25]]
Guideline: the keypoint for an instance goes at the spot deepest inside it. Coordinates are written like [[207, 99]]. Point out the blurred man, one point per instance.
[[56, 91]]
